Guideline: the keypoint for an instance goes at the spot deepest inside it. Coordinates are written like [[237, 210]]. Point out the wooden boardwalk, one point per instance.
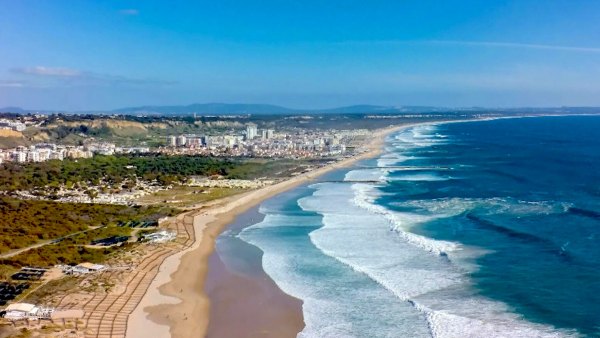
[[106, 314]]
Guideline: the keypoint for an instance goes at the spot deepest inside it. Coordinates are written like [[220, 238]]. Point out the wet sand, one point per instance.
[[237, 286]]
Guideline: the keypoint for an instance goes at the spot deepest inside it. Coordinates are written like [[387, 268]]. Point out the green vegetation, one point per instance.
[[25, 222], [60, 253], [116, 169], [261, 168], [113, 169]]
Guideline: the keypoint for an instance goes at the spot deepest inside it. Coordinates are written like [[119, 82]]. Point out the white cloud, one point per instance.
[[47, 71], [12, 84], [514, 45], [469, 43]]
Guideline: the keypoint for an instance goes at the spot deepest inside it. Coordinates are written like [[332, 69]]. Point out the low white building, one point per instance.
[[83, 268], [21, 311], [160, 236]]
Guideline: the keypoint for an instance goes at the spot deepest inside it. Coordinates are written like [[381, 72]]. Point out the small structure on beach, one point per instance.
[[159, 237], [83, 268], [21, 311]]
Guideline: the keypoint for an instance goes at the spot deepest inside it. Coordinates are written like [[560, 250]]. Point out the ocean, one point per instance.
[[475, 229]]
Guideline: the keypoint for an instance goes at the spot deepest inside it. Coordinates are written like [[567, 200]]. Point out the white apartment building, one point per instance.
[[44, 155], [251, 131], [57, 155], [20, 156], [181, 141]]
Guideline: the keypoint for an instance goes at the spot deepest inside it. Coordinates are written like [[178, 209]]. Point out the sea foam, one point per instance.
[[399, 262]]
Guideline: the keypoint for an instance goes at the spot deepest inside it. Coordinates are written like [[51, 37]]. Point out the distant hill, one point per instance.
[[210, 109], [17, 110], [255, 109], [269, 109]]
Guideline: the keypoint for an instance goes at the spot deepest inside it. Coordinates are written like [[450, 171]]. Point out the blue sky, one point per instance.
[[80, 55]]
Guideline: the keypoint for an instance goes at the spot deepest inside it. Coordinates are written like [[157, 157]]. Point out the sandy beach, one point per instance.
[[236, 285], [175, 304]]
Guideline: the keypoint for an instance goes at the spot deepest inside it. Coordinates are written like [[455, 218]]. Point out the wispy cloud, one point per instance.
[[12, 84], [470, 43], [48, 76], [129, 11], [47, 71], [512, 45]]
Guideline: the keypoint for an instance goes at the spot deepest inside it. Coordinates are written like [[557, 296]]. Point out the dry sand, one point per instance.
[[175, 304]]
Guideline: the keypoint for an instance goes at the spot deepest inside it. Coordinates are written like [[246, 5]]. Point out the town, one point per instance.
[[267, 143], [251, 142]]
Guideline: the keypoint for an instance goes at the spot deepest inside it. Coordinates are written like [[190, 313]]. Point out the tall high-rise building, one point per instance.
[[181, 140], [251, 131], [172, 141], [20, 156], [270, 133]]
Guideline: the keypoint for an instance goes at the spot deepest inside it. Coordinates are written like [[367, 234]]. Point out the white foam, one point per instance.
[[431, 283], [417, 137], [425, 177], [364, 196], [329, 290], [495, 206], [375, 174], [393, 159]]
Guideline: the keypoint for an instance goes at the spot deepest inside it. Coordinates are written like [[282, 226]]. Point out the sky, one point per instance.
[[104, 55]]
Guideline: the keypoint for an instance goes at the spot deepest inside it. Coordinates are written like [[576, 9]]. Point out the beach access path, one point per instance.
[[106, 314]]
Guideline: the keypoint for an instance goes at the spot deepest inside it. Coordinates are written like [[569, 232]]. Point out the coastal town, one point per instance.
[[249, 142], [265, 143], [73, 298]]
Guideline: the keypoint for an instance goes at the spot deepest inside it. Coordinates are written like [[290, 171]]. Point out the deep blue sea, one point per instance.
[[477, 229]]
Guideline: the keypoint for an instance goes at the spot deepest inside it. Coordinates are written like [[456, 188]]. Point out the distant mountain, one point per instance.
[[269, 109], [210, 109], [256, 109], [13, 110]]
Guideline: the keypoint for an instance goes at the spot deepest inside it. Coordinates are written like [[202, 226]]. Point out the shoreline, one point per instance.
[[175, 303], [237, 285]]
